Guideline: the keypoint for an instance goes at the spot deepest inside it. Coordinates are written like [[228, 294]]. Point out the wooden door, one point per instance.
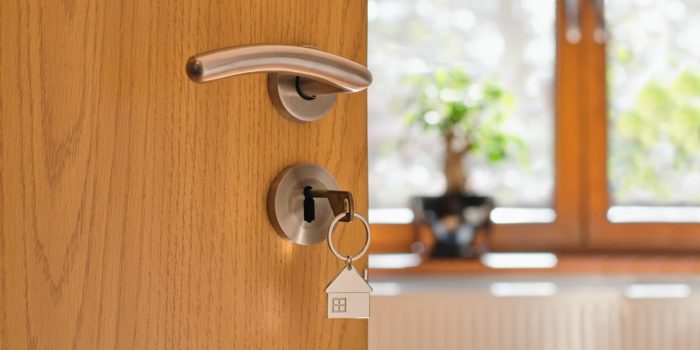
[[133, 201]]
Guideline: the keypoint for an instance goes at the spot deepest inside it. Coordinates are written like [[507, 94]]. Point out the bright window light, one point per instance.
[[393, 261], [391, 216], [519, 260], [657, 291], [385, 288], [498, 215], [523, 289], [523, 215], [619, 214]]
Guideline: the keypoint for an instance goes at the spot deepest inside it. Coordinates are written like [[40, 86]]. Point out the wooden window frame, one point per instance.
[[581, 198], [564, 234], [601, 233]]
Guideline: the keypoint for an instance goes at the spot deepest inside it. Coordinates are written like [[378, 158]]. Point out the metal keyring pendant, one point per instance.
[[367, 232]]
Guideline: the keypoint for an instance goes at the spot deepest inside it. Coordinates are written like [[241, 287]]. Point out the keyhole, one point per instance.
[[309, 205]]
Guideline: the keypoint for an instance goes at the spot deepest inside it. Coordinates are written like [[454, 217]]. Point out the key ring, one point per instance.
[[368, 236]]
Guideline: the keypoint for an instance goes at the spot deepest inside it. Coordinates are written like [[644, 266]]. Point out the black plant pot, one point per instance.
[[454, 219]]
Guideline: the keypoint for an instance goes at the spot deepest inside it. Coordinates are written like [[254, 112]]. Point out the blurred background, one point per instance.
[[534, 174]]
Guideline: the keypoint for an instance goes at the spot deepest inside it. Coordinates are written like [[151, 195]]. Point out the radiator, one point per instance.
[[595, 320]]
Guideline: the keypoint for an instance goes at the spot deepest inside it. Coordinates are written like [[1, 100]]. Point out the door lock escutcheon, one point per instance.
[[303, 81], [303, 202]]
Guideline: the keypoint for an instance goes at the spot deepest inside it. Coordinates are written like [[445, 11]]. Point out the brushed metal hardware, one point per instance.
[[285, 204], [341, 202], [599, 33], [573, 21], [303, 81]]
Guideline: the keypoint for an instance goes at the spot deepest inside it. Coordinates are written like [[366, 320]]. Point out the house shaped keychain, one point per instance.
[[348, 295]]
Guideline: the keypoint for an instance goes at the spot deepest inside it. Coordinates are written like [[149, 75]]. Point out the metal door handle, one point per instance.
[[599, 33], [573, 25], [303, 81]]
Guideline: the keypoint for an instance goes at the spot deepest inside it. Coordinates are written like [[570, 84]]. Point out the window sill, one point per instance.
[[567, 264], [399, 238]]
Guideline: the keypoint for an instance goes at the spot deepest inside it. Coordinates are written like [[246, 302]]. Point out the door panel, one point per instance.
[[133, 200]]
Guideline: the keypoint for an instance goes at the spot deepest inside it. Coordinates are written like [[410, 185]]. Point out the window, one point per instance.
[[610, 118], [339, 304], [644, 121], [509, 43], [653, 74]]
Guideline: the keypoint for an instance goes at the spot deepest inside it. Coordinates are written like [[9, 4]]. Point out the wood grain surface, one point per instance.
[[132, 200]]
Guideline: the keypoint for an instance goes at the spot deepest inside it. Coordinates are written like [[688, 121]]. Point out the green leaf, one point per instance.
[[474, 110]]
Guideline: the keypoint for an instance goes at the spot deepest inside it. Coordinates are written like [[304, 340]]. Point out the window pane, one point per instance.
[[508, 42], [653, 107]]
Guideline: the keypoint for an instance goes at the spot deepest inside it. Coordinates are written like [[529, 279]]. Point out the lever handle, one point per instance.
[[338, 74], [573, 21], [599, 33], [303, 82]]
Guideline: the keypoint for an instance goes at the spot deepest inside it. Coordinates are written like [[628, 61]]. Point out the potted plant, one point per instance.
[[469, 116]]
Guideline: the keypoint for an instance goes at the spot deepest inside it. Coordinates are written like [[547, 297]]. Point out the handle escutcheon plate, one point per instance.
[[284, 95]]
